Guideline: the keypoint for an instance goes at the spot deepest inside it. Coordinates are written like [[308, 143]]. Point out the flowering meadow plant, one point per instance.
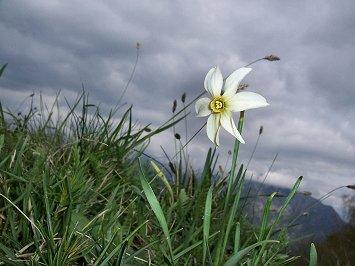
[[224, 100], [82, 190]]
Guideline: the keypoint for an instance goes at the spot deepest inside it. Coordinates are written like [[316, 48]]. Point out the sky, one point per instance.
[[310, 123]]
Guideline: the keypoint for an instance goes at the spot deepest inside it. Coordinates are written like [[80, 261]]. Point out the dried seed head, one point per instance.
[[174, 106], [221, 169], [147, 129], [243, 86], [272, 58], [138, 45], [261, 129], [172, 168], [183, 97], [351, 187], [177, 136], [32, 95], [306, 193], [229, 152]]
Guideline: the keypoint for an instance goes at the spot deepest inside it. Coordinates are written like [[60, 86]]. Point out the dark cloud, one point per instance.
[[53, 45]]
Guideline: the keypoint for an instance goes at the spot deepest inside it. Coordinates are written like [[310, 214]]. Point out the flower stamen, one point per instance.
[[217, 105]]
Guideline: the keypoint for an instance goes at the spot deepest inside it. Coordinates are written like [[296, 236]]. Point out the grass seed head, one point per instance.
[[174, 106], [272, 58], [183, 97]]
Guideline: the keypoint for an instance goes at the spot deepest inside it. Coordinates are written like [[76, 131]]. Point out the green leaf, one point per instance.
[[240, 254], [163, 178], [265, 219], [207, 222], [313, 255], [237, 238], [155, 205], [2, 69], [2, 140]]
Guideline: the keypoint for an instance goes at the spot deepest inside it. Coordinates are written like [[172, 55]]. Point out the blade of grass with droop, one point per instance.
[[155, 205]]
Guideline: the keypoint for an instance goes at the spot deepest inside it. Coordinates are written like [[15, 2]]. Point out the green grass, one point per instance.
[[81, 191]]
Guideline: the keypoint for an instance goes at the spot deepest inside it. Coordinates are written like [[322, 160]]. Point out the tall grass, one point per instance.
[[80, 190]]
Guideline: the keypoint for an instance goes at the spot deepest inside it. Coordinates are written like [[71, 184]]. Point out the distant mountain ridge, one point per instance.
[[314, 224]]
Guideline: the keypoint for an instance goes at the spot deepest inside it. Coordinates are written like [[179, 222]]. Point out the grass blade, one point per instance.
[[155, 205], [2, 69], [163, 178], [240, 254], [313, 255], [206, 222], [237, 238]]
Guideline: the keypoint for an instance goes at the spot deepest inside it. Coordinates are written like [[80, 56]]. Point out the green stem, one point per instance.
[[219, 252], [232, 176]]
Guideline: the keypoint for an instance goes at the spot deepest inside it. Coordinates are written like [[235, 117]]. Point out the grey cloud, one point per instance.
[[53, 45]]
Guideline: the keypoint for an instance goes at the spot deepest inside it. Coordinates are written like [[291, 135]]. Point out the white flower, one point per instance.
[[220, 105]]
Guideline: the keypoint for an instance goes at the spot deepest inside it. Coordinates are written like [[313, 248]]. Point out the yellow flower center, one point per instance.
[[217, 105]]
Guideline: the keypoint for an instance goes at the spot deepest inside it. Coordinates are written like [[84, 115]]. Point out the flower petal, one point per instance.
[[214, 81], [246, 100], [232, 82], [227, 123], [201, 107], [213, 125]]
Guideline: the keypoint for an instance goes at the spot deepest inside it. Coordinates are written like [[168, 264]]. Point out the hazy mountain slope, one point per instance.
[[309, 217]]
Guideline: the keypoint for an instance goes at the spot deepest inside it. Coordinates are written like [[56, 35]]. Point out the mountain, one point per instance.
[[308, 218]]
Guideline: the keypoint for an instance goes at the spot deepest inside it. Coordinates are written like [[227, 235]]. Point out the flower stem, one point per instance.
[[227, 212], [232, 176]]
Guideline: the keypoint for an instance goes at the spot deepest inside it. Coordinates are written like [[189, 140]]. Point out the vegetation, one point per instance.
[[339, 247], [80, 190]]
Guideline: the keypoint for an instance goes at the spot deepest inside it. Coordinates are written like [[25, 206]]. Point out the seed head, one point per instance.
[[172, 168], [177, 136], [147, 129], [183, 97], [220, 168], [351, 187], [261, 129], [174, 106], [243, 86], [138, 45], [272, 58], [306, 193]]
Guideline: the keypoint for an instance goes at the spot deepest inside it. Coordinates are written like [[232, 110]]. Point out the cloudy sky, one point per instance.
[[310, 123]]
